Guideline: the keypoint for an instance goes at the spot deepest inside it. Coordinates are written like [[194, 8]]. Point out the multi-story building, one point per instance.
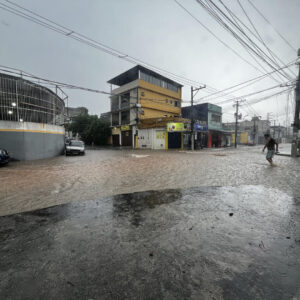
[[73, 112], [142, 105], [106, 117], [207, 119], [249, 132]]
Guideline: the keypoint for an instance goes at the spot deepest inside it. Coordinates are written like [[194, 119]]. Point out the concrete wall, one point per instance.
[[29, 141], [126, 87]]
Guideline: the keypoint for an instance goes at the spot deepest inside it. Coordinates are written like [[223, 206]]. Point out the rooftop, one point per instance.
[[133, 74]]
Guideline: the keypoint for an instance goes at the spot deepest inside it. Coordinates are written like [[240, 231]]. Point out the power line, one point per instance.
[[217, 13], [54, 83], [68, 32], [249, 95], [258, 100], [214, 35], [255, 101], [256, 34], [248, 82], [283, 38], [72, 86], [236, 21], [259, 37]]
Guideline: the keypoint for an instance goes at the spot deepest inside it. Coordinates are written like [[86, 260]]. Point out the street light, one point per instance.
[[10, 112], [14, 104]]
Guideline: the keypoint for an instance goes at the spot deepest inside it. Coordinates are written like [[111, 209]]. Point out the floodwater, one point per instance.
[[100, 173], [196, 243], [212, 224]]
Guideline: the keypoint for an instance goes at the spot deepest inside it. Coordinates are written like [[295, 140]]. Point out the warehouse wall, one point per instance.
[[30, 141]]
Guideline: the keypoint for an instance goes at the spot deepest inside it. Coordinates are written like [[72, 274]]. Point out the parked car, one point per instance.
[[4, 157], [75, 147]]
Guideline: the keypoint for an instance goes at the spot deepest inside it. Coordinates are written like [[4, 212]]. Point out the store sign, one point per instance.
[[115, 131], [125, 127], [200, 127], [175, 127]]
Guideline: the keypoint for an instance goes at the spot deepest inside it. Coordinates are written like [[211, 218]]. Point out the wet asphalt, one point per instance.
[[220, 242]]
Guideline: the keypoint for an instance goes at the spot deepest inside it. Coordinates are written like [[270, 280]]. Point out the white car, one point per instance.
[[75, 147]]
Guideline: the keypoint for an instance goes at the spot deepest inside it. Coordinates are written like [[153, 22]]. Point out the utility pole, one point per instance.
[[254, 130], [237, 104], [297, 101], [296, 124], [192, 112]]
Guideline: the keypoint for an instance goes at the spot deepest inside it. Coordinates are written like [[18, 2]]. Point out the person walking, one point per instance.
[[270, 144]]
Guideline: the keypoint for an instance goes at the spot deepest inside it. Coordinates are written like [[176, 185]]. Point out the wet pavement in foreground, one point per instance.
[[238, 242]]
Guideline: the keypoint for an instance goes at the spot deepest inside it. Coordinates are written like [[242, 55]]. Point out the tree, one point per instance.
[[91, 129]]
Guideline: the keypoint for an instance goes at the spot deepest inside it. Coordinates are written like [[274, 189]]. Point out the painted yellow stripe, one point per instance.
[[29, 130]]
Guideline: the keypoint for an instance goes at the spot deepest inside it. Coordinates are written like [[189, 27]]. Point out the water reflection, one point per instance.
[[132, 205]]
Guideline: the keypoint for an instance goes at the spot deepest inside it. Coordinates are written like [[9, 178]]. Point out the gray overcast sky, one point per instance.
[[158, 32]]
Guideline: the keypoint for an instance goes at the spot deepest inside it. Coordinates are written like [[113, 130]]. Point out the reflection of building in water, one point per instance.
[[31, 119]]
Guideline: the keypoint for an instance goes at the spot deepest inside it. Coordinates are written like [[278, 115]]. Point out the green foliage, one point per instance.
[[91, 129]]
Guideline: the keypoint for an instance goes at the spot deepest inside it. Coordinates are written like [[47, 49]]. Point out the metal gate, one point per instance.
[[159, 139], [174, 140], [127, 138], [116, 140]]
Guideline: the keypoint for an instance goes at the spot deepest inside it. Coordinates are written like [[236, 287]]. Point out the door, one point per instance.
[[174, 140], [127, 138], [116, 140], [159, 139]]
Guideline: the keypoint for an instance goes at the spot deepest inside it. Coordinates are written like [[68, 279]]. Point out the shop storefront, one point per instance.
[[175, 132], [126, 134], [116, 132], [201, 135]]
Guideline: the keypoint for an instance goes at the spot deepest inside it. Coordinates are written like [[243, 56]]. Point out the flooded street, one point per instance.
[[215, 224], [100, 173]]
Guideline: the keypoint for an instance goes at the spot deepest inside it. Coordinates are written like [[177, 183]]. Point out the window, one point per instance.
[[143, 94], [171, 87], [158, 82], [171, 102], [216, 118], [176, 103], [115, 103], [125, 100], [166, 100], [115, 119], [125, 117]]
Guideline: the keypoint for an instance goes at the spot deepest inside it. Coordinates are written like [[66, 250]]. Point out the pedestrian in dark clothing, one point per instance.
[[270, 144]]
